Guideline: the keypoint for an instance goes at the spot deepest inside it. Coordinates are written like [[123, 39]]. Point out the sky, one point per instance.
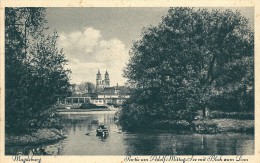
[[100, 38]]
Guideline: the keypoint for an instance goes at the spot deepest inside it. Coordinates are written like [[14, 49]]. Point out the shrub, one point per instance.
[[231, 115], [134, 116], [90, 106], [186, 114]]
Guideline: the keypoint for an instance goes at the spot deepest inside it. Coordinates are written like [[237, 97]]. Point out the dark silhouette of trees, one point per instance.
[[35, 76], [86, 87], [189, 59]]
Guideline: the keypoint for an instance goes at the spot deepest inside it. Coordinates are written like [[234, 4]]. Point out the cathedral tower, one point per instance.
[[101, 84], [107, 80], [98, 81]]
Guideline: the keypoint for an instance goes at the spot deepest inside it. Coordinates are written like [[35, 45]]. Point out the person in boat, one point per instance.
[[102, 129], [102, 126]]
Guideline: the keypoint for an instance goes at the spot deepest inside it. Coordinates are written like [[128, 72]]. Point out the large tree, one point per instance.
[[191, 57], [35, 76]]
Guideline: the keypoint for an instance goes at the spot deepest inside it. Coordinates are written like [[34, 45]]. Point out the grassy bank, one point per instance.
[[223, 125], [209, 126], [232, 115], [42, 136], [80, 110], [83, 110]]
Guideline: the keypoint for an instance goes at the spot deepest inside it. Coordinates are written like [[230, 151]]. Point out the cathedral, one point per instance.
[[101, 84], [104, 94]]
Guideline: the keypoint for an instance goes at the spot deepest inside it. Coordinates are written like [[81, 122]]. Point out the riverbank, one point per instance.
[[212, 126], [84, 111], [42, 136], [208, 126], [80, 110]]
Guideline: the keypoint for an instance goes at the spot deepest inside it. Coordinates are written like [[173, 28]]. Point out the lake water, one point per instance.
[[152, 143]]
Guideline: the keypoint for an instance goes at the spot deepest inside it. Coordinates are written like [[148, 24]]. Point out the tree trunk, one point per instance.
[[205, 112]]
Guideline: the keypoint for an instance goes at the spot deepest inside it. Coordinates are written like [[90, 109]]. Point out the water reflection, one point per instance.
[[102, 137], [87, 122], [82, 140], [189, 144]]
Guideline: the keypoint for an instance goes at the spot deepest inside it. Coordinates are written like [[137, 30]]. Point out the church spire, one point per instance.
[[106, 75], [107, 80], [98, 76]]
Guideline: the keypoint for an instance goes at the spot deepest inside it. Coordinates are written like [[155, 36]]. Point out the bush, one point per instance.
[[90, 106], [186, 114], [170, 124], [231, 115], [134, 116], [113, 104]]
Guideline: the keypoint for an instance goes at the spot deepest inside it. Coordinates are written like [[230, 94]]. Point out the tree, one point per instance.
[[34, 71], [191, 57], [86, 87]]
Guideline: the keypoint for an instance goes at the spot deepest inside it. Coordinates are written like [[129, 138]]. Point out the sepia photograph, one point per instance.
[[129, 81], [126, 83]]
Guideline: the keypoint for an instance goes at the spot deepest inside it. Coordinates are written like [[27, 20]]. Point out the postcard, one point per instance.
[[129, 81]]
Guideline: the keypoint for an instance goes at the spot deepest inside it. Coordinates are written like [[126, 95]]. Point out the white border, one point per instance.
[[126, 3]]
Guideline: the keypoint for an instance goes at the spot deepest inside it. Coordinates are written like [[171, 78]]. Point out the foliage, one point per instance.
[[86, 87], [231, 115], [91, 106], [224, 125], [35, 76], [135, 114], [190, 58]]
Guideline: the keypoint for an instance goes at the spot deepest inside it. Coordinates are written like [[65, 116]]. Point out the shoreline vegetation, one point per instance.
[[207, 127], [213, 126], [36, 75], [44, 135], [81, 110], [41, 136], [199, 126], [202, 126]]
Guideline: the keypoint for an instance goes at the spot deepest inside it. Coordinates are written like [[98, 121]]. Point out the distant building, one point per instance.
[[101, 84], [104, 94], [109, 95]]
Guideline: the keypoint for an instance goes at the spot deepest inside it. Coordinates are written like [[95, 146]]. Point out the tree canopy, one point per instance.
[[192, 57], [35, 76], [86, 87]]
